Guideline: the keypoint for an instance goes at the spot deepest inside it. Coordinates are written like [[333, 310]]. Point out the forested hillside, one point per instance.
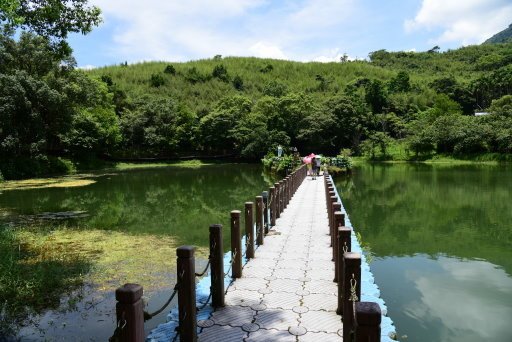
[[53, 114], [504, 36]]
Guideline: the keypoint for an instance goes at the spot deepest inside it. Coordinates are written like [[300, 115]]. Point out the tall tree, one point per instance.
[[53, 19]]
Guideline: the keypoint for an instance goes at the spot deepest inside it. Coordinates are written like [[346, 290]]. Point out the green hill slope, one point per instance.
[[504, 36], [244, 107]]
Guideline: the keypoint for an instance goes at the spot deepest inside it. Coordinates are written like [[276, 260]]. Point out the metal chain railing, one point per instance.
[[148, 316]]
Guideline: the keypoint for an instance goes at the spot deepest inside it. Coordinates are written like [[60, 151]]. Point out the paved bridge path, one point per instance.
[[287, 291]]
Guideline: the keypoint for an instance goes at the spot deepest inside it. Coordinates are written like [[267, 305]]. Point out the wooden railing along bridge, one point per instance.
[[292, 277]]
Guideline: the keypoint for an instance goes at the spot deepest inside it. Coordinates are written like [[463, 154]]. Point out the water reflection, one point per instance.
[[446, 299], [442, 238], [168, 202], [181, 202]]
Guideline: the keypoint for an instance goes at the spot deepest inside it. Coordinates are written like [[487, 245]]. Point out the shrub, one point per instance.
[[169, 69], [221, 73], [238, 83], [157, 80]]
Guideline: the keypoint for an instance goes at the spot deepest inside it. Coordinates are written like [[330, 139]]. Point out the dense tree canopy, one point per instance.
[[51, 19], [242, 107]]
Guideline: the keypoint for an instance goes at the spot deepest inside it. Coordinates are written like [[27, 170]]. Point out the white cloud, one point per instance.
[[465, 22], [183, 30], [87, 67], [261, 49], [454, 296], [333, 55]]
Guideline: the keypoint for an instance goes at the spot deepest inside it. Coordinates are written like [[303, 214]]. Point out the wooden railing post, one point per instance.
[[344, 245], [187, 294], [266, 220], [260, 232], [330, 190], [217, 265], [368, 317], [352, 277], [277, 200], [339, 221], [288, 189], [236, 245], [336, 206], [249, 230], [273, 211], [130, 313], [281, 196], [332, 200]]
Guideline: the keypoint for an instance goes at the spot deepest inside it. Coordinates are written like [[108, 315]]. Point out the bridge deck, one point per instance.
[[287, 291]]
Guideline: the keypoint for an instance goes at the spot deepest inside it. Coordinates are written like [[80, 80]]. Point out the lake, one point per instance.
[[442, 243], [441, 238], [143, 205]]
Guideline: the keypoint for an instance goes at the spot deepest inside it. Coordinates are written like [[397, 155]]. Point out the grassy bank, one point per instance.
[[398, 152], [39, 265], [83, 179]]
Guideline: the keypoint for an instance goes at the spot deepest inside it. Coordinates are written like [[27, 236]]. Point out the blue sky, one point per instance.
[[301, 30]]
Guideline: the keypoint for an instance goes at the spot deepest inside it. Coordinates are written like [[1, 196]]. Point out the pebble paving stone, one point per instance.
[[322, 286], [243, 297], [233, 315], [320, 321], [319, 337], [287, 291], [277, 319], [224, 333], [271, 335]]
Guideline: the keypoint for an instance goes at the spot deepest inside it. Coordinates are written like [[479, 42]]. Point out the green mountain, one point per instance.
[[245, 106], [504, 36]]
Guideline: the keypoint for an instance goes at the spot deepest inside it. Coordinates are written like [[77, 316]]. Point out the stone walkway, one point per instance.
[[287, 291]]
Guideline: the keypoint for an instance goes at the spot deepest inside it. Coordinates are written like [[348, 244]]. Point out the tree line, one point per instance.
[[53, 114]]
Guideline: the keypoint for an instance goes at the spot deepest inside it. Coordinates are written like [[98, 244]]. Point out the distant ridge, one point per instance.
[[504, 36]]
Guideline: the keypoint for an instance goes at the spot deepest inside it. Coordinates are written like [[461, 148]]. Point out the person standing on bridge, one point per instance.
[[313, 168], [318, 164]]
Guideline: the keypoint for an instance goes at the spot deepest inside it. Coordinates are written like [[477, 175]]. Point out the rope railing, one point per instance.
[[148, 316], [130, 308], [233, 256], [120, 325], [199, 308], [205, 269]]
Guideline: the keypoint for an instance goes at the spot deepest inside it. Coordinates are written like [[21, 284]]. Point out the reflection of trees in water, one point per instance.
[[171, 201], [406, 209]]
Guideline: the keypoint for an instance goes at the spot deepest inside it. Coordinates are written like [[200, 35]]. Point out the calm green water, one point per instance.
[[172, 201], [442, 238], [181, 202]]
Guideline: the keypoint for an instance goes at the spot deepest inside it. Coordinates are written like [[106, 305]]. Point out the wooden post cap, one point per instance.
[[129, 293], [215, 227], [185, 251], [235, 213], [258, 198], [368, 313], [352, 256], [248, 204]]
